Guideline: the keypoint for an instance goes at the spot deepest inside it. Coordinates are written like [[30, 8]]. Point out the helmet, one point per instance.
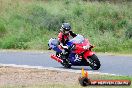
[[65, 28]]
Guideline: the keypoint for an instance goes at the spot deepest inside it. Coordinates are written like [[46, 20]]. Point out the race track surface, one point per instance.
[[119, 65]]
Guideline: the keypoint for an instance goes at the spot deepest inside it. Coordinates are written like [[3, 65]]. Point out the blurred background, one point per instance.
[[29, 24]]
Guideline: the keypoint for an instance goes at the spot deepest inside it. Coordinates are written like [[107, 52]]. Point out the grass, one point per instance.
[[55, 85], [30, 24], [64, 86]]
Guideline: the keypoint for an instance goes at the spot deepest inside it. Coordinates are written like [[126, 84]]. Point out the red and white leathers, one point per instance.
[[64, 38]]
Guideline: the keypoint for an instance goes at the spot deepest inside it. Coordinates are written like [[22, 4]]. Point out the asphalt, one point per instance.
[[119, 65]]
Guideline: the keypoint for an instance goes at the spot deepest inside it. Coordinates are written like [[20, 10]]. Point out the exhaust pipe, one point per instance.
[[56, 58]]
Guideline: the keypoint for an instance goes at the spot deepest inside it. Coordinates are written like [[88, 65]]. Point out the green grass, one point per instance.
[[77, 85], [30, 24]]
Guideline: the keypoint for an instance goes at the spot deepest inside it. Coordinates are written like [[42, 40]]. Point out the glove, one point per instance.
[[65, 47]]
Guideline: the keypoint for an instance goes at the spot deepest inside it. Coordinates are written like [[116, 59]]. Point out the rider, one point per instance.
[[63, 37]]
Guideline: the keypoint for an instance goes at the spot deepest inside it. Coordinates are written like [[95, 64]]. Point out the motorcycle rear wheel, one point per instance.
[[66, 64]]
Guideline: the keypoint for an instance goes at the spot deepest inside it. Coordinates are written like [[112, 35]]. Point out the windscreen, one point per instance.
[[78, 39]]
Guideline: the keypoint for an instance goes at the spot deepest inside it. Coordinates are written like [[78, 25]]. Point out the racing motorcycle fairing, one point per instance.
[[88, 53], [53, 44], [80, 47]]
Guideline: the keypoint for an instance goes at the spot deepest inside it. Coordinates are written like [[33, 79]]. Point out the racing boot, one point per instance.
[[66, 57]]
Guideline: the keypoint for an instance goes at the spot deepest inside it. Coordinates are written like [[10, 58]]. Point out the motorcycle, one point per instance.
[[80, 53]]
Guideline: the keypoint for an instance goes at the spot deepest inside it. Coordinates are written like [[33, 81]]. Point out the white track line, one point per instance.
[[57, 69]]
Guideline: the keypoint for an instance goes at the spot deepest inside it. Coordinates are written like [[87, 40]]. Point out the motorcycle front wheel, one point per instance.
[[94, 62]]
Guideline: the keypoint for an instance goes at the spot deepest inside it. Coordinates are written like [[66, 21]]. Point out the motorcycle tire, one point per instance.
[[66, 65], [94, 62]]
